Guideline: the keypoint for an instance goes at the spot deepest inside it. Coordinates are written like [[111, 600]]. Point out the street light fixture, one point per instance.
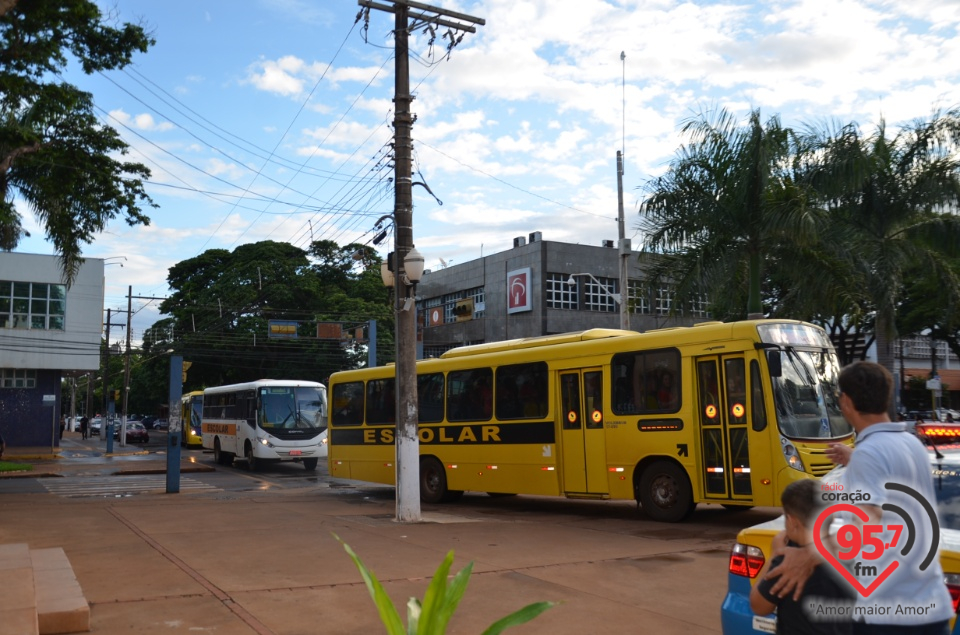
[[616, 296]]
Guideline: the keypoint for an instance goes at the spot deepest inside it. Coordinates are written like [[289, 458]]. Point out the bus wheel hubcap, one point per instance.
[[664, 491]]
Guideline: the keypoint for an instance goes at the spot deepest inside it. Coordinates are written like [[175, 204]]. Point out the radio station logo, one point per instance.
[[862, 547]]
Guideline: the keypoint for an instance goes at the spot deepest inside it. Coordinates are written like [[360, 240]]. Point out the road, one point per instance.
[[263, 541]]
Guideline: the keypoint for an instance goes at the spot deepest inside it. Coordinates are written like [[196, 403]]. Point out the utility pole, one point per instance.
[[407, 438], [624, 250], [126, 371]]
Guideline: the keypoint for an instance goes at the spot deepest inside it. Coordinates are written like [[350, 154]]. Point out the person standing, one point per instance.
[[63, 426], [84, 423], [3, 444], [885, 453]]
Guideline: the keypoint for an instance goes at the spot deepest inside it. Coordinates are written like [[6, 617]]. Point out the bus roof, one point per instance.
[[253, 385], [531, 342]]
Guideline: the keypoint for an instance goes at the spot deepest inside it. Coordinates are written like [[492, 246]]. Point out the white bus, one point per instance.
[[265, 421]]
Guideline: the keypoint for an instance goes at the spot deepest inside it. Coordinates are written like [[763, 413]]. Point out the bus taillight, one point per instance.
[[746, 560]]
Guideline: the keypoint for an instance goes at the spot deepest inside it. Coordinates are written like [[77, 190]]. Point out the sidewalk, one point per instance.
[[266, 561]]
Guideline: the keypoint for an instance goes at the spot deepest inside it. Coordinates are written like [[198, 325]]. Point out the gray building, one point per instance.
[[47, 331], [538, 287]]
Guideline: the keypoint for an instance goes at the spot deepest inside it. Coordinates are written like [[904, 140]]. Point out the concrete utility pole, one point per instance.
[[624, 248], [126, 371], [407, 439]]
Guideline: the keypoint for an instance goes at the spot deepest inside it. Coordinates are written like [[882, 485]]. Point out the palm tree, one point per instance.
[[728, 199], [891, 205]]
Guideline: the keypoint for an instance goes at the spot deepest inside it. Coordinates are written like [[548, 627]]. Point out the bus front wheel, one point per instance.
[[310, 464], [433, 482], [665, 493], [252, 462]]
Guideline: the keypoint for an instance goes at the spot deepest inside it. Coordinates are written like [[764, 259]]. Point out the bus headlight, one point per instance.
[[264, 441], [791, 455]]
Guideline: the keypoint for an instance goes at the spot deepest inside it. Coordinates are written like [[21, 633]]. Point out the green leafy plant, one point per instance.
[[7, 466], [440, 601]]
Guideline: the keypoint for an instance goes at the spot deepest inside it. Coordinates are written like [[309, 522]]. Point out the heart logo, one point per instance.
[[849, 577]]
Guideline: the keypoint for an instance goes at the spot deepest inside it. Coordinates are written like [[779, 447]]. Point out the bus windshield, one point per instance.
[[302, 407], [806, 394]]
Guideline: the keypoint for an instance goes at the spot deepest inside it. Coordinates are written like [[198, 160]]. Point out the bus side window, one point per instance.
[[430, 395], [348, 404], [758, 411], [521, 391], [470, 395], [647, 382], [381, 401]]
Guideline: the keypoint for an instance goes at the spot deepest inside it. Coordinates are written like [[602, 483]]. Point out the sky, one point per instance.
[[271, 119]]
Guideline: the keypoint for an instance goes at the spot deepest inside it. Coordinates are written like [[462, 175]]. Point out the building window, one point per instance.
[[699, 306], [561, 295], [639, 298], [13, 378], [663, 301], [597, 294], [32, 305]]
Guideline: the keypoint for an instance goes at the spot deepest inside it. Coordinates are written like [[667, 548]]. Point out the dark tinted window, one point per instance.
[[646, 382], [522, 391], [381, 401], [470, 395], [430, 395], [347, 404]]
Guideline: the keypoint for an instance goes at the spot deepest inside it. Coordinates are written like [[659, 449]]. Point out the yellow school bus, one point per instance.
[[725, 413], [191, 416]]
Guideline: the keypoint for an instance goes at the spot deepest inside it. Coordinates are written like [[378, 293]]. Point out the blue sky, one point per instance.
[[269, 119]]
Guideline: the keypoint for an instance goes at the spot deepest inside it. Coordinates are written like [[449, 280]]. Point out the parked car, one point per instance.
[[95, 425], [136, 433], [752, 550], [148, 421], [160, 424]]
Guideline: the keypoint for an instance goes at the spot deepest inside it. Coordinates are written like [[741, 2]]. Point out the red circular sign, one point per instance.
[[711, 411], [738, 410], [597, 416], [571, 416]]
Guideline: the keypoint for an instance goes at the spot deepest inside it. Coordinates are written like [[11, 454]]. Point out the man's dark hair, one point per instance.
[[799, 499], [869, 386]]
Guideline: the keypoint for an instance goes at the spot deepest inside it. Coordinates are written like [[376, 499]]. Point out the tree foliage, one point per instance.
[[222, 302], [55, 155]]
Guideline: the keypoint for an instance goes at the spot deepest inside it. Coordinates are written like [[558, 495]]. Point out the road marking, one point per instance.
[[119, 485]]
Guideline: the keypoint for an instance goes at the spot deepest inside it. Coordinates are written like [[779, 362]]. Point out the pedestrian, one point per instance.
[[84, 423], [3, 444], [801, 505], [63, 426], [884, 454]]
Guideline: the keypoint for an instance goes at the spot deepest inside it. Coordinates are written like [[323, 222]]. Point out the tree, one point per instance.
[[55, 154], [891, 206], [728, 199]]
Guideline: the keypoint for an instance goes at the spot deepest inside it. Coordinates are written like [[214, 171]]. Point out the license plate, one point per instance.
[[295, 452]]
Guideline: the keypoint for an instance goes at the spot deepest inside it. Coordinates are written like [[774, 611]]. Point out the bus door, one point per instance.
[[722, 399], [584, 450]]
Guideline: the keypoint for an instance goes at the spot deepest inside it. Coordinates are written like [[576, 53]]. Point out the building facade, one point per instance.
[[537, 288], [47, 331]]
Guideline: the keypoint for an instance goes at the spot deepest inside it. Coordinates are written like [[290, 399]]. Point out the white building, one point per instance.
[[47, 331]]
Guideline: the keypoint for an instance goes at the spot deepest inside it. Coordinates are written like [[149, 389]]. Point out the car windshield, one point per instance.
[[806, 395]]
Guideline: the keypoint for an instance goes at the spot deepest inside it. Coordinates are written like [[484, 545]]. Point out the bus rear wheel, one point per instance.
[[221, 457], [310, 464], [665, 493]]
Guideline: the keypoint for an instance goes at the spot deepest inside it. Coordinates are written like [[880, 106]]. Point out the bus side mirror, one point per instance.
[[773, 363]]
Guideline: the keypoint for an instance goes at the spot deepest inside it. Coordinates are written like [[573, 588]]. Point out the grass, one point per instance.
[[9, 466]]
